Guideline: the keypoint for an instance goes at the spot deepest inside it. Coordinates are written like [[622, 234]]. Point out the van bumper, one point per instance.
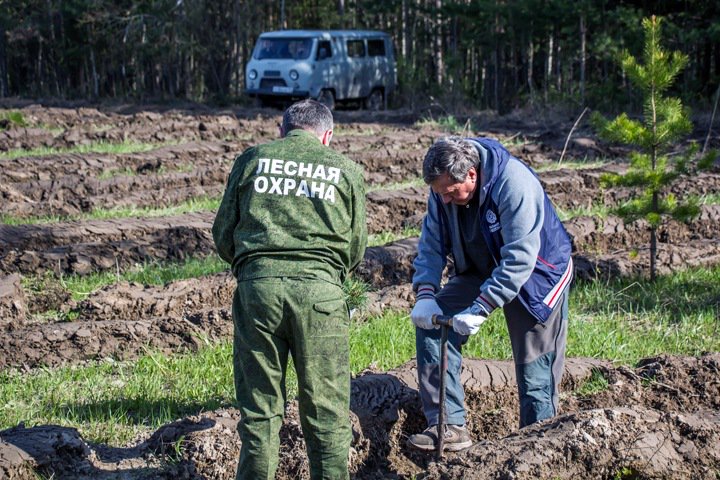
[[268, 92]]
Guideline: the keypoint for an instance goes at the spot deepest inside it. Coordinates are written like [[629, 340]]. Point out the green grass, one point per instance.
[[594, 210], [13, 118], [622, 321], [447, 123], [199, 204], [595, 384], [128, 146], [80, 286], [117, 172], [602, 211], [710, 199], [414, 182], [339, 132], [115, 401], [570, 165], [384, 238]]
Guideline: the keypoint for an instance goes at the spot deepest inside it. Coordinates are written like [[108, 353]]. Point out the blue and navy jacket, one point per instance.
[[527, 240]]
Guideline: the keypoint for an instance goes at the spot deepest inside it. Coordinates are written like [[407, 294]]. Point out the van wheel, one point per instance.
[[375, 101], [327, 98]]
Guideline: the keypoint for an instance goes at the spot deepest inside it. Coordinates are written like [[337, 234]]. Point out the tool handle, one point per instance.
[[444, 320]]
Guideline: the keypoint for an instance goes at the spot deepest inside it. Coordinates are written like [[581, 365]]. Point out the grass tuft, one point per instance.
[[12, 118], [595, 384], [111, 402], [155, 273], [127, 146], [199, 204], [383, 238]]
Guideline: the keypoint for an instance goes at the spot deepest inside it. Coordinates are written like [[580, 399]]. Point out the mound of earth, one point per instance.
[[659, 420], [13, 309]]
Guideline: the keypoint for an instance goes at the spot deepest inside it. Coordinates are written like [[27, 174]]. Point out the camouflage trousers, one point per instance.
[[275, 317]]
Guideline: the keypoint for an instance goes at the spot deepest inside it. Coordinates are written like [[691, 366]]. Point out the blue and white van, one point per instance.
[[327, 65]]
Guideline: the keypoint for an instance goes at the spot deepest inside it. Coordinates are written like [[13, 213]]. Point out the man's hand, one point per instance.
[[469, 320], [422, 313]]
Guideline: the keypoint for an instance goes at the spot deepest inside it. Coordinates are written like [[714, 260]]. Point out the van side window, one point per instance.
[[324, 50], [356, 48], [376, 48]]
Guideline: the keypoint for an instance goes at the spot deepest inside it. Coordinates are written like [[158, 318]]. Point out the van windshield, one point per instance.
[[289, 48]]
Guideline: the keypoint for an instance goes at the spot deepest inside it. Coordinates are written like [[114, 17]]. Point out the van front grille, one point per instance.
[[272, 82], [272, 73]]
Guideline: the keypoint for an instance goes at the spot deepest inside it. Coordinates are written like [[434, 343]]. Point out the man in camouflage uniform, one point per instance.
[[292, 224]]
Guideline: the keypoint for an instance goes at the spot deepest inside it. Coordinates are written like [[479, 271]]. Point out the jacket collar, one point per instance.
[[493, 158]]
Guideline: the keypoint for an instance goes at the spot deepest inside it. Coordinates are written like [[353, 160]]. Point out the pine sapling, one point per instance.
[[665, 121]]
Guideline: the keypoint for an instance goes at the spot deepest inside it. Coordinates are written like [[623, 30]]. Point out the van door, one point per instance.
[[379, 66], [326, 68], [357, 68]]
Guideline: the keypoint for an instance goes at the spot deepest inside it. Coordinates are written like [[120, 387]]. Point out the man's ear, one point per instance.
[[472, 174], [281, 132], [327, 136]]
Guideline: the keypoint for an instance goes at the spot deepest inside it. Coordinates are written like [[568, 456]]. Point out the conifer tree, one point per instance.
[[665, 121]]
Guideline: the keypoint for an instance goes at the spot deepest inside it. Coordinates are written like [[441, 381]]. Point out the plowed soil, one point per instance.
[[639, 427], [660, 420]]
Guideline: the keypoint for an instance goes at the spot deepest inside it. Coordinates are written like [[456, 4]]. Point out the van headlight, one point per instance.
[[294, 75], [252, 74]]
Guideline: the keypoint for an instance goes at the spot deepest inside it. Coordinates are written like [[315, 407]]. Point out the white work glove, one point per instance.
[[469, 320], [425, 308]]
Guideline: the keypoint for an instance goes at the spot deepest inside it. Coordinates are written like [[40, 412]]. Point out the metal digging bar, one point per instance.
[[445, 323]]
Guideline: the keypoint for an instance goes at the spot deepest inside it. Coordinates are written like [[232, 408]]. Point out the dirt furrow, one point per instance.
[[68, 196], [569, 188], [167, 243], [52, 236], [146, 127], [613, 433], [88, 166], [632, 262], [119, 320], [604, 235], [13, 307], [74, 342], [393, 210]]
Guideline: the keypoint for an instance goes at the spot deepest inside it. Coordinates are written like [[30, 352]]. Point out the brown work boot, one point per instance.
[[457, 438]]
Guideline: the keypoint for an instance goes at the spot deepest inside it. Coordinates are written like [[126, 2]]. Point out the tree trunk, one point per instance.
[[95, 79], [404, 30], [549, 64], [583, 57], [496, 61], [530, 61], [439, 63], [39, 67], [4, 77], [283, 26], [558, 67]]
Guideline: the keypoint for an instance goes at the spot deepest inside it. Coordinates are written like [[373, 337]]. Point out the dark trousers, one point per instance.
[[538, 352]]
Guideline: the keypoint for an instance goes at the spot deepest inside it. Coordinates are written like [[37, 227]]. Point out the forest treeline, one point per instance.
[[495, 54]]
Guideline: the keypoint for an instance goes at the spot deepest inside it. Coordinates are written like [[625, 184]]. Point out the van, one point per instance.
[[331, 66]]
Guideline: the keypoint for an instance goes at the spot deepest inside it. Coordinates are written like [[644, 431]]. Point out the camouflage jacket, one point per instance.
[[292, 207]]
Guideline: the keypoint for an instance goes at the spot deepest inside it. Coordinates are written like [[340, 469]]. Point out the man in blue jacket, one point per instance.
[[489, 211]]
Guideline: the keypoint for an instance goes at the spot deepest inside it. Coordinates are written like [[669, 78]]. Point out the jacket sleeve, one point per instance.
[[520, 199], [228, 215], [359, 224], [432, 248]]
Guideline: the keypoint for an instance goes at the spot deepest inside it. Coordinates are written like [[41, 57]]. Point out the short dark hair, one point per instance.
[[452, 155], [308, 115]]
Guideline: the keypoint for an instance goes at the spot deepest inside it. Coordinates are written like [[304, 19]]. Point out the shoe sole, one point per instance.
[[455, 447], [451, 447]]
